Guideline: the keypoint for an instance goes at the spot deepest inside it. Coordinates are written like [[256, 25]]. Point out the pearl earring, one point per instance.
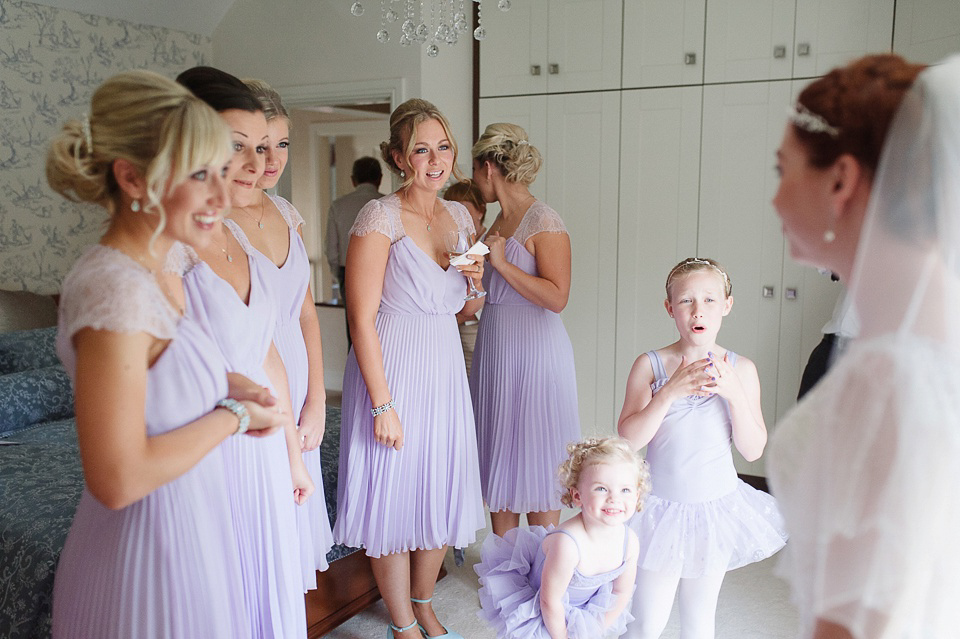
[[829, 236], [135, 206], [402, 174]]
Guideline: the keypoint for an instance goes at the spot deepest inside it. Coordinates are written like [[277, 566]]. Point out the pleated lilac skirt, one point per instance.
[[313, 523], [165, 567], [427, 494], [524, 391]]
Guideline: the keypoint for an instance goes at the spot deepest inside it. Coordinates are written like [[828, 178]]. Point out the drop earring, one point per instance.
[[135, 206], [829, 236], [402, 175]]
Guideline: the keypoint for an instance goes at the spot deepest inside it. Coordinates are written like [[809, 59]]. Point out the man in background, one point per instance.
[[366, 177]]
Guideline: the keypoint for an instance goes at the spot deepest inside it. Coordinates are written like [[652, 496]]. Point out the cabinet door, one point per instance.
[[581, 164], [584, 44], [831, 33], [748, 40], [927, 30], [742, 128], [529, 112], [663, 42], [516, 42], [659, 186]]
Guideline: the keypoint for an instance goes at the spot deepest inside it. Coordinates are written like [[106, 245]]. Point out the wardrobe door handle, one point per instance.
[[553, 68]]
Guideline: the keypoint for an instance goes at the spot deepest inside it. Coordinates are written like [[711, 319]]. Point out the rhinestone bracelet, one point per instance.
[[381, 409], [239, 410]]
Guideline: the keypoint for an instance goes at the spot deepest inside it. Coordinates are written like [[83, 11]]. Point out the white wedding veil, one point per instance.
[[906, 278]]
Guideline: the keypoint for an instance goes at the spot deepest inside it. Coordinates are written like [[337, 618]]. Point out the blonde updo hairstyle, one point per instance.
[[602, 450], [272, 105], [694, 264], [506, 147], [403, 127], [152, 122]]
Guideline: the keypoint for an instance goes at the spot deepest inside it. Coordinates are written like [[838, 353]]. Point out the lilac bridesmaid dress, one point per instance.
[[288, 283], [427, 494], [166, 566], [524, 385], [259, 485]]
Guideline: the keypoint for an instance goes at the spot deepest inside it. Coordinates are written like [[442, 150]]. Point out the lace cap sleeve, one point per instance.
[[289, 212], [461, 216], [539, 219], [242, 238], [379, 216], [180, 260], [107, 290]]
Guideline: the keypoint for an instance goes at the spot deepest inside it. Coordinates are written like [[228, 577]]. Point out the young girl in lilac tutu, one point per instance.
[[575, 581], [701, 520]]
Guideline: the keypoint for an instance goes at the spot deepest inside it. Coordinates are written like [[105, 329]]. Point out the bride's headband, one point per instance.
[[809, 121]]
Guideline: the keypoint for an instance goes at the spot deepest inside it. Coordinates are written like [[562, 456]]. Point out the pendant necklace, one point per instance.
[[260, 221], [226, 242], [423, 217]]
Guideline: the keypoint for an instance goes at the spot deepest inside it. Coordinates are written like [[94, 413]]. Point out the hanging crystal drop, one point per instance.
[[443, 31], [422, 33], [451, 38], [433, 50], [479, 33], [391, 16], [356, 9], [504, 5], [405, 40], [460, 22], [408, 27], [382, 35]]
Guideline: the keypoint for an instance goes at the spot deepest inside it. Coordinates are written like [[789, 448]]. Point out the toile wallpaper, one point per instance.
[[51, 61]]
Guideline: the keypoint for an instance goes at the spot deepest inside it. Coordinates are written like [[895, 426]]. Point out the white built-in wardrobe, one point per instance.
[[658, 121]]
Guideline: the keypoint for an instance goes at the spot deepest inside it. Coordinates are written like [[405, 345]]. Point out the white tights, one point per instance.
[[654, 600]]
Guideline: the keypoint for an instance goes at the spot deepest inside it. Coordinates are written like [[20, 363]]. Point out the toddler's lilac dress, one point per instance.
[[510, 571], [524, 385], [166, 566], [289, 283], [427, 494], [701, 519], [259, 484]]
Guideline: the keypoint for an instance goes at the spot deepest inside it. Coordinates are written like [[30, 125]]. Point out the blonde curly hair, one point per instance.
[[506, 146], [602, 450]]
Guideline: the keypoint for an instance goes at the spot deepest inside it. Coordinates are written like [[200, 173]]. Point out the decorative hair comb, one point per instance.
[[87, 135], [809, 121]]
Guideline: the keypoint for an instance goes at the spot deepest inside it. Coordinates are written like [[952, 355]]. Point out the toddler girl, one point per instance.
[[574, 581], [686, 403]]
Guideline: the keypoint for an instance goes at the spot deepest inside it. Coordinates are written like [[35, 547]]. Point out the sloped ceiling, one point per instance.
[[192, 16]]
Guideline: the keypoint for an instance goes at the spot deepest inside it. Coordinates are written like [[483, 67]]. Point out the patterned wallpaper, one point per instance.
[[51, 61]]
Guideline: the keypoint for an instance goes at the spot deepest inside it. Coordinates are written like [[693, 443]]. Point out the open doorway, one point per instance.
[[325, 141]]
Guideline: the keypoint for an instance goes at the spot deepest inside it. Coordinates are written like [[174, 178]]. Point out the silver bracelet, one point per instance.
[[381, 409], [239, 410]]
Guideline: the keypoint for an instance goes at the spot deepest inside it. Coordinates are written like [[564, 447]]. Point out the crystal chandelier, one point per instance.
[[439, 21]]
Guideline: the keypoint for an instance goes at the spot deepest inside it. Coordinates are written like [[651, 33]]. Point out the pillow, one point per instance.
[[23, 350], [33, 397]]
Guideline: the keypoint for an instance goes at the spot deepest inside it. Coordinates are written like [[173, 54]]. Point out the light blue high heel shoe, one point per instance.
[[449, 634], [391, 628]]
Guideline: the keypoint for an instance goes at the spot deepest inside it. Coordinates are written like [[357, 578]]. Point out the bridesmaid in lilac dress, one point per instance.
[[523, 379], [409, 483], [152, 548], [273, 227], [229, 296]]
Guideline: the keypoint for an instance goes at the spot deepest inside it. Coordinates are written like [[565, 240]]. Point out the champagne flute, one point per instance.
[[457, 244]]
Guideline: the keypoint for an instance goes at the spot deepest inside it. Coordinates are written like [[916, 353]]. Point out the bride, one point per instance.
[[866, 467]]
